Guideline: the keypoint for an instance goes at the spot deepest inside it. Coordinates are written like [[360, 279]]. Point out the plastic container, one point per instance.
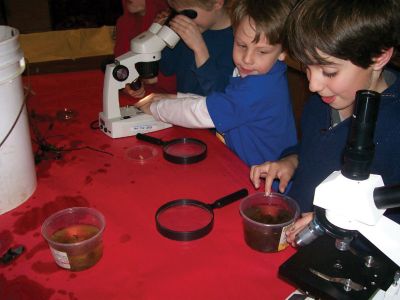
[[141, 153], [17, 166], [266, 219], [75, 237]]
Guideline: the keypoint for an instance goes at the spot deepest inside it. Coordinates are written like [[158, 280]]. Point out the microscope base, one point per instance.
[[131, 122], [322, 255]]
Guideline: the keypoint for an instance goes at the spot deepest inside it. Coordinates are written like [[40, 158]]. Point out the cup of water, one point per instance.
[[75, 237], [265, 220]]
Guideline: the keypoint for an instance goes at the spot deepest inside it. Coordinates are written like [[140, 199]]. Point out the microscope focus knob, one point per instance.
[[120, 73], [136, 84]]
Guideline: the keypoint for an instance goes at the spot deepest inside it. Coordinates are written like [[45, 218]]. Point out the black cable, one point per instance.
[[93, 125]]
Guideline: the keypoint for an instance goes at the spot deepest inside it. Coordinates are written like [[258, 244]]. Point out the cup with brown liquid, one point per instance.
[[75, 237], [266, 219]]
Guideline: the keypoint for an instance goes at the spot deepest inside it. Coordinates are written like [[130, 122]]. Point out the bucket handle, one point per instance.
[[20, 70]]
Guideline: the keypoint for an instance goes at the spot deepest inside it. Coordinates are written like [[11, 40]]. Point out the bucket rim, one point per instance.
[[13, 37]]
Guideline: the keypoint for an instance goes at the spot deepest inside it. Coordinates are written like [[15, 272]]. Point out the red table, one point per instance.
[[138, 263]]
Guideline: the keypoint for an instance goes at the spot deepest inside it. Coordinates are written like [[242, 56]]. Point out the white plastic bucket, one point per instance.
[[17, 166]]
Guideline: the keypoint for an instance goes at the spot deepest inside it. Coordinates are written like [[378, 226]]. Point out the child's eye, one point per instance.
[[241, 45], [329, 74]]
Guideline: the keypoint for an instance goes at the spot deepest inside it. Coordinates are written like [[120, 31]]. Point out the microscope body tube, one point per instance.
[[360, 148]]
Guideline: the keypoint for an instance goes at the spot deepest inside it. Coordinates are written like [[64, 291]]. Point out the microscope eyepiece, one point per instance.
[[387, 196], [360, 148], [190, 13]]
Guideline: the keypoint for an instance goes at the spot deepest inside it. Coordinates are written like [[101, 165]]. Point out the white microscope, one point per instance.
[[348, 203], [141, 61]]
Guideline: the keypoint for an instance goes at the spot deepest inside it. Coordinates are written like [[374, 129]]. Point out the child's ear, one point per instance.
[[282, 56], [381, 60]]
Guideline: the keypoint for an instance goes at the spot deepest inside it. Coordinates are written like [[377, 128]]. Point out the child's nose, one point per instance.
[[248, 57], [315, 81]]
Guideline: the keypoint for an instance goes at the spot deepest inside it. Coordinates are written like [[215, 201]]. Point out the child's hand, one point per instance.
[[148, 99], [298, 226], [134, 94], [145, 107], [157, 97], [152, 80], [144, 103], [282, 169], [161, 17], [190, 33]]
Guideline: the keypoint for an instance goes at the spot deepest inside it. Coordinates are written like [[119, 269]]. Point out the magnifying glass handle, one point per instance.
[[229, 198], [149, 139]]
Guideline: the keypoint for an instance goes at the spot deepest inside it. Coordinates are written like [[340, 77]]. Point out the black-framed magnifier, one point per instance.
[[179, 151], [187, 219]]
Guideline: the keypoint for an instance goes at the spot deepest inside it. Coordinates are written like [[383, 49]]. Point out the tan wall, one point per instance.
[[67, 44]]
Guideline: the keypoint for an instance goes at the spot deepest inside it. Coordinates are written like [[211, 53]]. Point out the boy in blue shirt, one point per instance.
[[345, 46], [254, 114], [202, 59]]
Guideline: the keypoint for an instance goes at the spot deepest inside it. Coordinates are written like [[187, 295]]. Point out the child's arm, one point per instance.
[[282, 169], [191, 35], [212, 66], [187, 111]]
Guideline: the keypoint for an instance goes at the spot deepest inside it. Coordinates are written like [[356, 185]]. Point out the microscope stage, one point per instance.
[[322, 255]]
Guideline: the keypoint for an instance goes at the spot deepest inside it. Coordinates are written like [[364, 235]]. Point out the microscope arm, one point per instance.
[[112, 86], [145, 48]]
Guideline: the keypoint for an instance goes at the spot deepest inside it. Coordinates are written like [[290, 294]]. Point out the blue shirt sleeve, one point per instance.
[[213, 75]]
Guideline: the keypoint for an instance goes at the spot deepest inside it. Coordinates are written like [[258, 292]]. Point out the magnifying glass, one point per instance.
[[187, 219], [179, 151]]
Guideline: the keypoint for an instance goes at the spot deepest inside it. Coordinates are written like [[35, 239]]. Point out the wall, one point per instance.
[[28, 15]]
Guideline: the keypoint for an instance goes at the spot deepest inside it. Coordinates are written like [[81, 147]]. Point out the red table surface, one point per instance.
[[137, 263]]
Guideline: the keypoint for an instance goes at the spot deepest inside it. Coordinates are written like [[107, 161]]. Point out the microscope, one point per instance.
[[140, 62], [350, 250]]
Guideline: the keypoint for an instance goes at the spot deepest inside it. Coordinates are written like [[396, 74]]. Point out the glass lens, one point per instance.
[[184, 218]]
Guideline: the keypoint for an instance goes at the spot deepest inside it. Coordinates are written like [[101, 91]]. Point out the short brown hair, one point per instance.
[[354, 30], [269, 17], [205, 4]]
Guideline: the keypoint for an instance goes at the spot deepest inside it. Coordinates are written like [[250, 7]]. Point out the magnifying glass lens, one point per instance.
[[184, 218], [185, 149]]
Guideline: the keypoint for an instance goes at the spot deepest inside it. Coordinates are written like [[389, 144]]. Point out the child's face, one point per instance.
[[205, 19], [338, 82], [136, 6], [253, 58]]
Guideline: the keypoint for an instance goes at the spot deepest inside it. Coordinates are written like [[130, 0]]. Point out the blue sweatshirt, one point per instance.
[[255, 115], [213, 75]]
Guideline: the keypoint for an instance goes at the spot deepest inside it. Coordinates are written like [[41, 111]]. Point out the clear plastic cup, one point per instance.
[[75, 237], [266, 219]]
